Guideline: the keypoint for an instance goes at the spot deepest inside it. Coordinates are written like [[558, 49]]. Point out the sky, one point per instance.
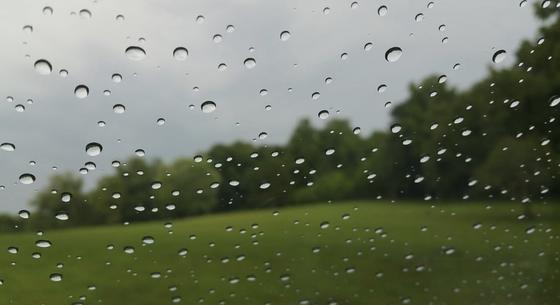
[[89, 41]]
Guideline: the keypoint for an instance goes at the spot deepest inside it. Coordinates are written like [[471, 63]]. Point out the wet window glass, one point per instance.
[[280, 152]]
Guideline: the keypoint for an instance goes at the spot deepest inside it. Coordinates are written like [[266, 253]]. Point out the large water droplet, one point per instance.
[[119, 108], [180, 53], [81, 91], [135, 53], [43, 67], [499, 56], [393, 54], [250, 63], [26, 178], [43, 243], [382, 11], [208, 107], [7, 147], [94, 149]]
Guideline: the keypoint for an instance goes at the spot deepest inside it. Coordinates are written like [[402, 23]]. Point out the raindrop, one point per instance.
[[396, 128], [180, 53], [43, 67], [285, 35], [208, 107], [499, 56], [119, 108], [554, 101], [43, 243], [323, 114], [27, 29], [55, 277], [135, 53], [393, 54], [148, 240], [368, 46], [7, 147], [117, 78], [24, 214], [81, 91], [250, 63], [26, 178], [94, 149], [85, 13], [382, 11], [47, 11]]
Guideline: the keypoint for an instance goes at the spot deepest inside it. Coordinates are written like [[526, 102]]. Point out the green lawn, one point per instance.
[[370, 253]]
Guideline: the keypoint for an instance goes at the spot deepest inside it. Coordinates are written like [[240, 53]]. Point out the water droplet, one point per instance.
[[230, 28], [43, 67], [24, 214], [382, 11], [81, 91], [55, 277], [180, 53], [26, 178], [368, 46], [419, 17], [393, 54], [62, 216], [554, 101], [119, 18], [250, 63], [264, 186], [217, 38], [135, 53], [84, 13], [499, 56], [47, 11], [43, 243], [200, 19], [208, 107], [94, 149], [354, 5], [7, 147], [285, 35], [148, 240], [396, 128], [119, 108], [117, 78], [65, 197], [323, 114], [28, 29]]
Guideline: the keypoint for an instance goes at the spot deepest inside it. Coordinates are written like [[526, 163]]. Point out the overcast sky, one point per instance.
[[55, 128]]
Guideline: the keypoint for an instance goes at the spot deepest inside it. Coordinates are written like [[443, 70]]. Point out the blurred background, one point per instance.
[[396, 152]]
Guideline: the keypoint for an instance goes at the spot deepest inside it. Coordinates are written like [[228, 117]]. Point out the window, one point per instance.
[[280, 152]]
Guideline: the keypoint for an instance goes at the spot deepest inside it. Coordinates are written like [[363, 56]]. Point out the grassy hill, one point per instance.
[[346, 253]]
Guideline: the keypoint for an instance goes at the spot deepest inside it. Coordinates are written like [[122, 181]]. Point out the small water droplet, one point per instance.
[[285, 35]]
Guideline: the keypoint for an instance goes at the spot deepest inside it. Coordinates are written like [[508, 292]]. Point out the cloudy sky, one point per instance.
[[88, 40]]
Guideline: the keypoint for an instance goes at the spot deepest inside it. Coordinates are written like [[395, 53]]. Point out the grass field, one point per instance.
[[347, 253]]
